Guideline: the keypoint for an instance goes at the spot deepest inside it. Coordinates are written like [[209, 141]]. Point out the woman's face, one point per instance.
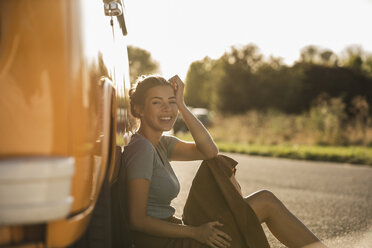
[[160, 110]]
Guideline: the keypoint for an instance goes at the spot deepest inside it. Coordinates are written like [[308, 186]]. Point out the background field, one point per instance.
[[309, 136]]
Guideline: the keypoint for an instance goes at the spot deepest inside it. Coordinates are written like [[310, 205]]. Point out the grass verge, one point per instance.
[[341, 154], [352, 154]]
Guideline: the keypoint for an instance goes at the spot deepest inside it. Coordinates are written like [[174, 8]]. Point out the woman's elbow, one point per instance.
[[212, 154], [136, 223]]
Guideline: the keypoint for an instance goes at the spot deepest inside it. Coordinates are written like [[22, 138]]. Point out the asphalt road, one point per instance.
[[334, 200]]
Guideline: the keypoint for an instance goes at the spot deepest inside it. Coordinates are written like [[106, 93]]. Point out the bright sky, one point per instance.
[[178, 32]]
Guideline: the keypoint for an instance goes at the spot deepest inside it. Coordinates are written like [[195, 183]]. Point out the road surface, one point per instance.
[[333, 200]]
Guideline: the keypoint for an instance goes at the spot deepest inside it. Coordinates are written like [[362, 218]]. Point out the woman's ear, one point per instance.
[[139, 110]]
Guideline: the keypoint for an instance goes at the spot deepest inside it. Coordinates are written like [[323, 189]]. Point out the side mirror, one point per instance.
[[113, 8]]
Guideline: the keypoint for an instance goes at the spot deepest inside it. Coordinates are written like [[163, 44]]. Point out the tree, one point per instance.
[[309, 54], [140, 63], [336, 82], [278, 87], [316, 55], [367, 66], [200, 82], [354, 57], [328, 58], [237, 86]]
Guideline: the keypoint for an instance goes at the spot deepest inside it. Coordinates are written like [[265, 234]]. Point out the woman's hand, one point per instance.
[[208, 234], [179, 88]]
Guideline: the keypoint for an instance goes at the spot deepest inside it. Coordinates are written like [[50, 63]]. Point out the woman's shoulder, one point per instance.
[[168, 139], [139, 144]]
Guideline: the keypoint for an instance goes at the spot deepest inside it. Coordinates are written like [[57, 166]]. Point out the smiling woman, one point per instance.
[[151, 183]]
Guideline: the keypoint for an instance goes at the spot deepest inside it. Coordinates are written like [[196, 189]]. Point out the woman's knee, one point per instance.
[[264, 196], [263, 203]]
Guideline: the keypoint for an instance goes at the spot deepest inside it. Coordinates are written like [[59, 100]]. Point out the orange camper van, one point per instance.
[[63, 103]]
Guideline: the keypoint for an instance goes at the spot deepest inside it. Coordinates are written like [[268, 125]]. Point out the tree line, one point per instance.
[[242, 80]]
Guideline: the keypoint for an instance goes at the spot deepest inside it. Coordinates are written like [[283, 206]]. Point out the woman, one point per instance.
[[152, 184]]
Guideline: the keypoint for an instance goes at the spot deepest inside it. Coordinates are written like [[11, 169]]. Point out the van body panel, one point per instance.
[[34, 80], [64, 80]]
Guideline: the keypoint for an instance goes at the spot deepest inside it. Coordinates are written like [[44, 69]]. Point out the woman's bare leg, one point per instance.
[[282, 223]]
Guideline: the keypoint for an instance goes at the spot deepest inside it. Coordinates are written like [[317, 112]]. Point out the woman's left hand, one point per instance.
[[179, 88]]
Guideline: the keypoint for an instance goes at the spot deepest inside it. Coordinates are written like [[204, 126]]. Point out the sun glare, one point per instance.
[[180, 32]]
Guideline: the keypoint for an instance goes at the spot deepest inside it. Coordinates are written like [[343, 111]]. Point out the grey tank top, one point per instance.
[[142, 160]]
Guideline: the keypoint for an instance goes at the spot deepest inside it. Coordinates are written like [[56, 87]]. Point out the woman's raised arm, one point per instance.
[[204, 146]]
